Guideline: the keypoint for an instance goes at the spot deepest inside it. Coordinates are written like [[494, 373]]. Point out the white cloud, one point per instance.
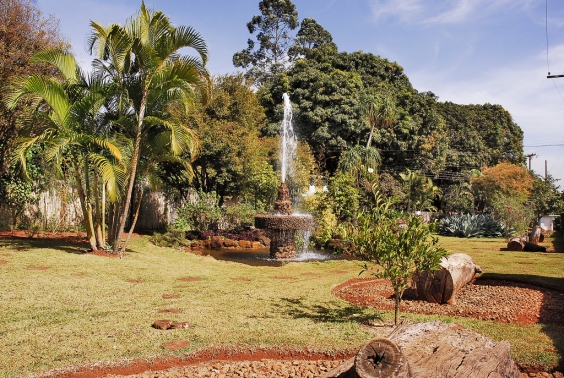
[[449, 12]]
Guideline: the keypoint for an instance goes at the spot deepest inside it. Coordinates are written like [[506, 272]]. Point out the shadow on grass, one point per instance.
[[553, 283], [558, 241], [327, 312], [22, 244]]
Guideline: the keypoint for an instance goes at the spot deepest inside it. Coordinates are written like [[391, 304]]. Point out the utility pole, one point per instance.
[[545, 170], [530, 156]]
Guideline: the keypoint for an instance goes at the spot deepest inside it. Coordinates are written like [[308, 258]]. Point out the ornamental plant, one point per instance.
[[401, 244]]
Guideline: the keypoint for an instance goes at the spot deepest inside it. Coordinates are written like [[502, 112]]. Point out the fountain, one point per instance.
[[283, 225]]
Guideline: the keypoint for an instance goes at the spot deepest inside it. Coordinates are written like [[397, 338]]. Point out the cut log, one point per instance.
[[535, 235], [516, 244], [438, 349], [531, 247], [441, 286], [381, 358]]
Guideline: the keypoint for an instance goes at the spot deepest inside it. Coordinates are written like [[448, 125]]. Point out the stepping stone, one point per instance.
[[162, 324], [190, 279], [136, 281], [283, 277], [170, 310], [240, 279], [3, 262], [170, 296], [37, 267], [6, 254], [176, 345], [180, 325]]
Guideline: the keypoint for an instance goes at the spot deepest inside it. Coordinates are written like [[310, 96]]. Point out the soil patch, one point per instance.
[[338, 271], [501, 301], [283, 277], [177, 344], [37, 267], [6, 254], [240, 279], [101, 252], [3, 262], [170, 310], [170, 296], [311, 274], [190, 279]]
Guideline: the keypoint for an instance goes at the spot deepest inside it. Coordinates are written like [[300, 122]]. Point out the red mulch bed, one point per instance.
[[501, 301]]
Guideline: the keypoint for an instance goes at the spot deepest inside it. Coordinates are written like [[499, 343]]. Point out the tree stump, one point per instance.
[[535, 235], [437, 349], [441, 286]]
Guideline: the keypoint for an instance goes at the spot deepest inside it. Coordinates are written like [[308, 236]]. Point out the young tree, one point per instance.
[[277, 19], [513, 211], [401, 244], [310, 36]]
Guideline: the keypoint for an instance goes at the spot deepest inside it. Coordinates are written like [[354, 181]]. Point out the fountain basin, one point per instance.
[[284, 222]]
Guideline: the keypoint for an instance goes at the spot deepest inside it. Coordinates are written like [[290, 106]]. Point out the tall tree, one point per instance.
[[310, 36], [143, 60], [272, 28], [24, 31]]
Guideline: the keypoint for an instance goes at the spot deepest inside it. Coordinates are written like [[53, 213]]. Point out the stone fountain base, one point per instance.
[[283, 229], [283, 226]]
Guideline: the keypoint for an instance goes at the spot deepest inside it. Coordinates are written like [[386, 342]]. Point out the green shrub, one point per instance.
[[472, 226], [203, 214], [238, 216]]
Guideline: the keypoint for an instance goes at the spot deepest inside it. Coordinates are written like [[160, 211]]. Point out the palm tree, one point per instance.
[[143, 60], [420, 190], [358, 160], [71, 106], [380, 111]]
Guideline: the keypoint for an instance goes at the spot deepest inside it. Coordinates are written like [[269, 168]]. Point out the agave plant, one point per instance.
[[472, 226]]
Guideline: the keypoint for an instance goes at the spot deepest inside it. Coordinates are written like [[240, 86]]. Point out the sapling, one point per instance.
[[401, 244]]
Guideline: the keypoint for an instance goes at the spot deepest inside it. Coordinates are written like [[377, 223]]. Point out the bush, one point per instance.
[[471, 226], [203, 214], [239, 216]]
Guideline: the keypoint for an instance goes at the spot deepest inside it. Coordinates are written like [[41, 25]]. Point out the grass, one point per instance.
[[82, 309]]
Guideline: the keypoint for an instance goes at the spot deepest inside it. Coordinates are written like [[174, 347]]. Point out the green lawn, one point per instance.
[[82, 309]]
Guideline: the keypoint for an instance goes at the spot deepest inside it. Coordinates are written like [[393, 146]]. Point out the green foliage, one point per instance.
[[172, 239], [399, 243], [480, 135], [471, 226], [458, 198], [546, 196], [329, 89], [202, 214], [419, 190], [515, 213], [277, 19], [343, 196], [238, 216]]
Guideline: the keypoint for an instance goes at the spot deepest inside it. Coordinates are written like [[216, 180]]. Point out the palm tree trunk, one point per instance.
[[134, 161], [103, 211], [97, 214], [370, 136], [86, 209], [132, 228]]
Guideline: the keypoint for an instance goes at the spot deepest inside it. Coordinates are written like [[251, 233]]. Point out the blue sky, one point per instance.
[[464, 51]]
